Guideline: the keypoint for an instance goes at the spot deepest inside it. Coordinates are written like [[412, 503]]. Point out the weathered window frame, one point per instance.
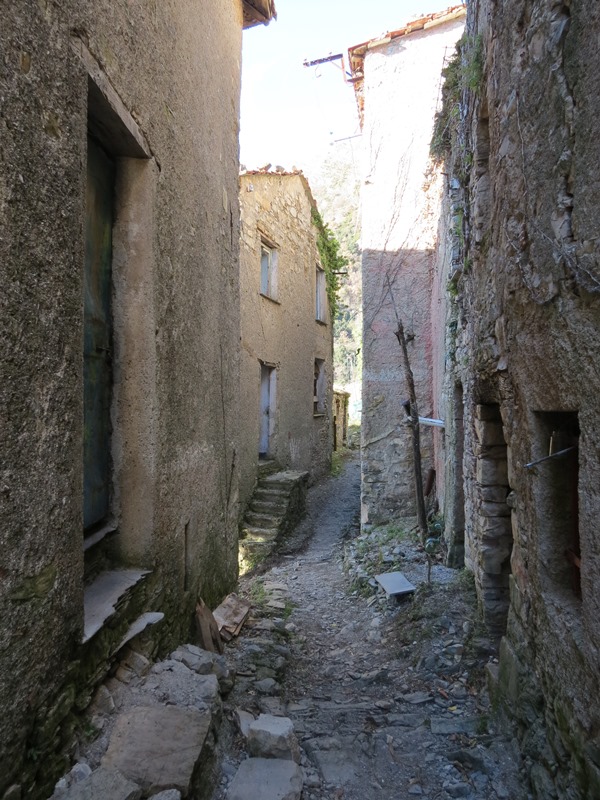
[[269, 259], [320, 295]]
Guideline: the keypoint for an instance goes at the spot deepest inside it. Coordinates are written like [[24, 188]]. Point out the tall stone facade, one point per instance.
[[287, 331], [120, 335], [397, 82], [524, 380]]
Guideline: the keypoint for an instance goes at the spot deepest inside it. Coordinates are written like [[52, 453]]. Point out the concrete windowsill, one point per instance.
[[272, 299], [318, 416], [97, 536]]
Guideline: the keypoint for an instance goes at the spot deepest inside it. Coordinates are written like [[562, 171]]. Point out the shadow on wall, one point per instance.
[[396, 285]]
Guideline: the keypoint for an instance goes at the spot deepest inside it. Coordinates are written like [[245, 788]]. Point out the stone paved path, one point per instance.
[[388, 699]]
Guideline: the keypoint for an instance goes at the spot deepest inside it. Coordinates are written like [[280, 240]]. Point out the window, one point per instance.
[[320, 296], [319, 387], [556, 475], [268, 270]]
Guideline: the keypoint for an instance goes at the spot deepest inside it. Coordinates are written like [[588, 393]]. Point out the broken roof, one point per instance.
[[258, 12], [357, 53]]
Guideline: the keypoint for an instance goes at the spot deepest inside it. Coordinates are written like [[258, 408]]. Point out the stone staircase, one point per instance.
[[276, 506]]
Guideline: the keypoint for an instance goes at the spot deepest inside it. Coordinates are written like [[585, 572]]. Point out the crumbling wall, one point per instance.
[[527, 347]]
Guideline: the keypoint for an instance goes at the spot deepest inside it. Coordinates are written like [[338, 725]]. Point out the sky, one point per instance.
[[293, 115]]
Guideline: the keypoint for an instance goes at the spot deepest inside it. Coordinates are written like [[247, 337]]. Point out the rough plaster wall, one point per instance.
[[531, 341], [284, 333], [400, 199], [440, 318], [175, 65]]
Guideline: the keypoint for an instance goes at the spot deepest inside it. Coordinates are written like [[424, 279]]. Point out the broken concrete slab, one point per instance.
[[102, 784], [267, 778], [158, 747], [395, 584], [273, 737]]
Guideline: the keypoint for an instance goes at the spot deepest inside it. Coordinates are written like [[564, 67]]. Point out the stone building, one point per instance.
[[287, 333], [397, 82], [341, 402], [523, 380], [120, 334]]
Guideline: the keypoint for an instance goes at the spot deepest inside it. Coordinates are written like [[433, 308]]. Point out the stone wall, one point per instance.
[[158, 85], [399, 84], [527, 345], [281, 331], [341, 401]]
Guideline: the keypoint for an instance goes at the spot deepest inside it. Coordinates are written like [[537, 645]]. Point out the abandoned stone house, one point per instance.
[[504, 309], [286, 369], [396, 79], [523, 378], [120, 333]]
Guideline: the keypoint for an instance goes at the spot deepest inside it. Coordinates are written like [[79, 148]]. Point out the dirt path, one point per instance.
[[388, 699]]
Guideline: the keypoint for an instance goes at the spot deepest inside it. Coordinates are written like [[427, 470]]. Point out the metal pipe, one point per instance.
[[435, 423], [558, 454]]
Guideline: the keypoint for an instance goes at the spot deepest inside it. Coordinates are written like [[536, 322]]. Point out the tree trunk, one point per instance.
[[416, 438]]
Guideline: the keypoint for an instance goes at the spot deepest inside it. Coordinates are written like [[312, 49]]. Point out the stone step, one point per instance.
[[159, 747], [267, 467], [276, 507], [270, 493], [258, 520], [252, 533], [267, 779], [283, 480]]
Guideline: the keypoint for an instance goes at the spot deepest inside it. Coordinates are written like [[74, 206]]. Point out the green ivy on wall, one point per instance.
[[331, 260]]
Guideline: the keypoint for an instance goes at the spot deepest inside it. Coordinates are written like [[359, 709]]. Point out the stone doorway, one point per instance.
[[493, 527]]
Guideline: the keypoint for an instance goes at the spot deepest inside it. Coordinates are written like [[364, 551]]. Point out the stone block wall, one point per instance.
[[527, 347]]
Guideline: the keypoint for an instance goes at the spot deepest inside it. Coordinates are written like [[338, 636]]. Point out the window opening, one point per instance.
[[268, 270], [557, 474], [320, 296], [319, 387]]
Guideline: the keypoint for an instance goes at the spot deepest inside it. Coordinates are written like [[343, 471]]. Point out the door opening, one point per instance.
[[267, 408], [98, 335]]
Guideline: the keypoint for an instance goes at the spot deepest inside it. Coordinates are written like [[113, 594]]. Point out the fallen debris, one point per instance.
[[231, 615], [208, 631], [395, 584]]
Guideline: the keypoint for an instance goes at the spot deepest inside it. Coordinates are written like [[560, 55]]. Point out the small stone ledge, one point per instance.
[[105, 596], [140, 625]]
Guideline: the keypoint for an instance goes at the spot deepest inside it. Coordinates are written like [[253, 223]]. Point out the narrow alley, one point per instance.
[[388, 698], [241, 243]]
